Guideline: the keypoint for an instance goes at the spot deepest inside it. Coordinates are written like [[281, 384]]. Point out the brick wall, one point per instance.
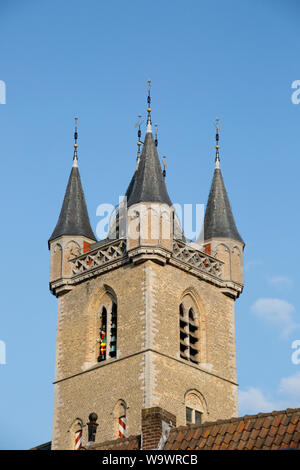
[[152, 419]]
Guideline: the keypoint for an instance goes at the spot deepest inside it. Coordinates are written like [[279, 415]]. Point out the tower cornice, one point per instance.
[[113, 254]]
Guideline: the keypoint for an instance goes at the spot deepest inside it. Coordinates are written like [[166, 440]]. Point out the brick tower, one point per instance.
[[144, 318]]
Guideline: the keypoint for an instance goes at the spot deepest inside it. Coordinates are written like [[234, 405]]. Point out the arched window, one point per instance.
[[189, 330], [120, 420], [194, 407], [107, 330]]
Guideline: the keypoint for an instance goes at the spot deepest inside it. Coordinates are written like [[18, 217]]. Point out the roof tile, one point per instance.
[[224, 446], [291, 428], [227, 438], [268, 442], [197, 432], [249, 424], [189, 436], [245, 435], [277, 420], [241, 445], [210, 441], [263, 432], [296, 436], [287, 438], [215, 430], [295, 444], [241, 426], [250, 444], [295, 419], [273, 430], [281, 430]]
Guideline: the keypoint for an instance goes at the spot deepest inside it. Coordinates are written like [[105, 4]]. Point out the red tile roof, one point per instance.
[[266, 431]]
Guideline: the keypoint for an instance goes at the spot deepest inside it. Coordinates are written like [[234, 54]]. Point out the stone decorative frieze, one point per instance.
[[197, 259], [100, 256], [113, 251]]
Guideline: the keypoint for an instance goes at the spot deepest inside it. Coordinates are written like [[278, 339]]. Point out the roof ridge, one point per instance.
[[115, 441]]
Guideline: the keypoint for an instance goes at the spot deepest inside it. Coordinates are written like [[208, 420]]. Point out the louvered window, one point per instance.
[[188, 334]]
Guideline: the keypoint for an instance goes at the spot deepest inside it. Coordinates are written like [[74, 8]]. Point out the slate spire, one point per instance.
[[148, 183], [219, 221], [73, 218]]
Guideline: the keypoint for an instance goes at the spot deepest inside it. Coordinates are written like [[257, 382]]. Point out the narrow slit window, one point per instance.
[[102, 336], [183, 327], [113, 332]]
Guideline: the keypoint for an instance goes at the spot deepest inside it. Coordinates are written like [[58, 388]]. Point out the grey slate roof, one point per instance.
[[73, 218], [148, 184], [219, 221]]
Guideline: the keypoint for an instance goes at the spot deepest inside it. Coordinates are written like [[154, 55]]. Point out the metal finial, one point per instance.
[[164, 173], [217, 143], [75, 158], [139, 143], [156, 140], [149, 129]]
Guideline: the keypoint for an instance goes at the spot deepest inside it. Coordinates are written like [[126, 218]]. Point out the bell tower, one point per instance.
[[144, 318]]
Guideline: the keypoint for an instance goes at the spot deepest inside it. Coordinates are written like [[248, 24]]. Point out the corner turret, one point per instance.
[[221, 236], [73, 233]]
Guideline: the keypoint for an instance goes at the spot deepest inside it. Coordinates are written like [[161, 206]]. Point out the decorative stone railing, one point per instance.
[[197, 259], [100, 256], [116, 250]]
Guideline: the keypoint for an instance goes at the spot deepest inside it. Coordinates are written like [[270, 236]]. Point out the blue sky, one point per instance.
[[235, 60]]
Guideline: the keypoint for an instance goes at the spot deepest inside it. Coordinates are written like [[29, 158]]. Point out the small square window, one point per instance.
[[198, 417], [189, 415]]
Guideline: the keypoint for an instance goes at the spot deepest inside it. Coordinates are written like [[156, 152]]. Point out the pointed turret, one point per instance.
[[148, 183], [73, 218], [150, 212], [219, 221], [73, 233], [221, 236]]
